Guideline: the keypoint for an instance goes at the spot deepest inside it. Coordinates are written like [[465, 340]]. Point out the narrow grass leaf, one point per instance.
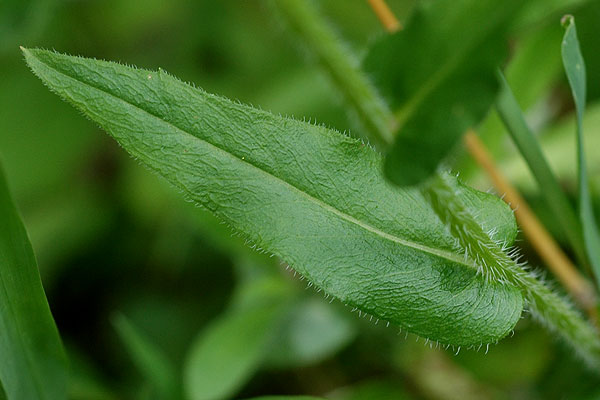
[[575, 70], [559, 144], [529, 147], [149, 360], [310, 195], [32, 361], [440, 74]]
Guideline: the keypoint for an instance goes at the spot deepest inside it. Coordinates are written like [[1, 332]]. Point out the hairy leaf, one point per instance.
[[313, 197], [440, 74], [33, 362], [443, 191], [575, 69]]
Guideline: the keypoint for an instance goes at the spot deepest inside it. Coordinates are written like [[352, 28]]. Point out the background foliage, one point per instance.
[[114, 243]]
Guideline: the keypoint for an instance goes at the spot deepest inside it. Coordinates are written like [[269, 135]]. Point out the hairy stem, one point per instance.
[[556, 260], [494, 263], [343, 69]]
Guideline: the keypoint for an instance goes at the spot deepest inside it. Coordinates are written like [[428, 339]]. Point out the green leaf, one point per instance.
[[493, 215], [558, 316], [33, 364], [537, 47], [149, 360], [529, 147], [228, 352], [440, 74], [309, 195], [313, 331], [575, 70]]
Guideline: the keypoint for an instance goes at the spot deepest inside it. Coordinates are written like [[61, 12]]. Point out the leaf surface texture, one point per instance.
[[308, 194]]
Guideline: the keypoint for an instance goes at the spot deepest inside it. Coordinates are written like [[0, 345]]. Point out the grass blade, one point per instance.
[[575, 70], [313, 197], [149, 360], [530, 149], [33, 364]]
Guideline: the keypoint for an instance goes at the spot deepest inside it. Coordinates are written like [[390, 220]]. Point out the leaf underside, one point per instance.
[[310, 195]]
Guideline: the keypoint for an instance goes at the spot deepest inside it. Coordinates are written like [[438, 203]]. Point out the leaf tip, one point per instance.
[[27, 54], [24, 51], [567, 21]]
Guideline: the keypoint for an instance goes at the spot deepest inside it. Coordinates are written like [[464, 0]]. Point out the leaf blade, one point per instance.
[[440, 74], [226, 354], [33, 361], [575, 70], [332, 216]]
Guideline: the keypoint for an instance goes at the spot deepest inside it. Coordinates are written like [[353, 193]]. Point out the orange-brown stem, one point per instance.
[[385, 15]]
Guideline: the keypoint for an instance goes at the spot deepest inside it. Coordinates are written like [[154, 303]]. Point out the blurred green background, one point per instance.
[[112, 240]]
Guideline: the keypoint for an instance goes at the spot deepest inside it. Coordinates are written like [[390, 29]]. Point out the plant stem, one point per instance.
[[495, 264], [320, 39], [385, 15], [513, 119], [581, 289]]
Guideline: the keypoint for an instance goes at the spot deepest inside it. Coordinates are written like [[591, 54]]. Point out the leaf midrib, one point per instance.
[[376, 231]]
